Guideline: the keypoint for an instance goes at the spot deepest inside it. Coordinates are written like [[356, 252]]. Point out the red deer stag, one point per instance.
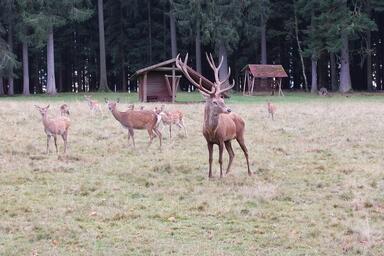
[[169, 118], [220, 124], [54, 126], [133, 119]]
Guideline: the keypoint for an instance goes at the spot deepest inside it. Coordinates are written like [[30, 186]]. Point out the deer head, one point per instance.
[[214, 101], [111, 104], [43, 111]]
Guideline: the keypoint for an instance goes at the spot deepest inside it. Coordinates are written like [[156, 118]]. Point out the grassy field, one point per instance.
[[318, 187]]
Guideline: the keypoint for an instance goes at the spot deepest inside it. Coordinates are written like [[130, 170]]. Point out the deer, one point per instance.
[[137, 120], [171, 118], [271, 109], [220, 125], [64, 110], [94, 105], [54, 127]]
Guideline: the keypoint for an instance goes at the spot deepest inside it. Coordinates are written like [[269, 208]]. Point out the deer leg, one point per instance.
[[131, 134], [221, 149], [170, 131], [231, 154], [48, 139], [65, 136], [210, 158], [151, 135], [158, 133], [55, 140], [183, 125], [240, 140]]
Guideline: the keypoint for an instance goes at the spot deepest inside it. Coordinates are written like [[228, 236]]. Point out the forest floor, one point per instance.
[[317, 188]]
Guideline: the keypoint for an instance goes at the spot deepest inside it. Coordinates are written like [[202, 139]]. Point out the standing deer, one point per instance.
[[55, 126], [133, 119], [171, 117], [94, 105], [220, 124], [271, 110], [64, 110]]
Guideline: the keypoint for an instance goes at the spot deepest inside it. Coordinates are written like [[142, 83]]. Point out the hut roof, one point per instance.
[[153, 67], [265, 71], [194, 74]]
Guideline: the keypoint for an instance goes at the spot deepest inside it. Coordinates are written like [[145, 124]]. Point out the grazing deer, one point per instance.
[[64, 110], [94, 105], [220, 124], [171, 117], [131, 107], [271, 110], [141, 107], [132, 119], [55, 126]]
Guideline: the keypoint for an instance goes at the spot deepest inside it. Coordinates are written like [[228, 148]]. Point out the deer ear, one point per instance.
[[47, 106], [37, 107]]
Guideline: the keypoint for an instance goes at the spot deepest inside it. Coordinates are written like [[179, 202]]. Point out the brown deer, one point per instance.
[[137, 120], [170, 118], [94, 105], [64, 110], [271, 109], [221, 125], [54, 126]]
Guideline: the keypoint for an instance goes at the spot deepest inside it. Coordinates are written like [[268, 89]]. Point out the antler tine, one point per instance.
[[227, 77], [228, 88], [184, 69]]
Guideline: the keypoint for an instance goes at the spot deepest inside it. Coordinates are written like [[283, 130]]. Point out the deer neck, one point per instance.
[[45, 120], [210, 119], [116, 114]]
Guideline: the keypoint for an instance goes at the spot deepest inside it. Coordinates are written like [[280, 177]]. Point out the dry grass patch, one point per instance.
[[317, 189]]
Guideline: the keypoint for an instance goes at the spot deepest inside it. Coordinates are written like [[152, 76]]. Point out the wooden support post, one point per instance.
[[173, 84], [245, 82], [145, 84], [253, 85], [168, 85], [280, 90]]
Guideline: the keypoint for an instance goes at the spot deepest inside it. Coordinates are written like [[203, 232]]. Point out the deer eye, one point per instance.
[[215, 102]]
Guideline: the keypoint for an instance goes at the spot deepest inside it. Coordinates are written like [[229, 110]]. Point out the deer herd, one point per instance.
[[220, 124]]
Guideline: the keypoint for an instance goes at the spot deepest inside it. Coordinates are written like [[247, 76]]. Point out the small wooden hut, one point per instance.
[[159, 82], [261, 78]]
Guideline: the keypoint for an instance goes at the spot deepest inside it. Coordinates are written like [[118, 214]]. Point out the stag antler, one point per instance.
[[184, 68], [219, 83]]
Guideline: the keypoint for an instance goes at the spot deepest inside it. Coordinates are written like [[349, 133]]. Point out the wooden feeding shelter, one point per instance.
[[159, 82], [259, 78]]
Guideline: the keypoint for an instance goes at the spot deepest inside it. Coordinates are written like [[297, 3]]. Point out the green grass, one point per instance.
[[317, 189]]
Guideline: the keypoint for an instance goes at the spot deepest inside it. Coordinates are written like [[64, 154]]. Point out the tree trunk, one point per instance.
[[369, 63], [333, 72], [51, 83], [1, 86], [300, 51], [223, 72], [314, 74], [369, 56], [124, 77], [322, 70], [345, 76], [198, 47], [10, 45], [172, 21], [25, 70], [149, 31], [103, 66], [263, 42]]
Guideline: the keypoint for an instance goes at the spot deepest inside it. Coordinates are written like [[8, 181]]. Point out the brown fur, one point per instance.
[[139, 120], [55, 126], [271, 110], [94, 105], [170, 118], [64, 110], [220, 124]]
